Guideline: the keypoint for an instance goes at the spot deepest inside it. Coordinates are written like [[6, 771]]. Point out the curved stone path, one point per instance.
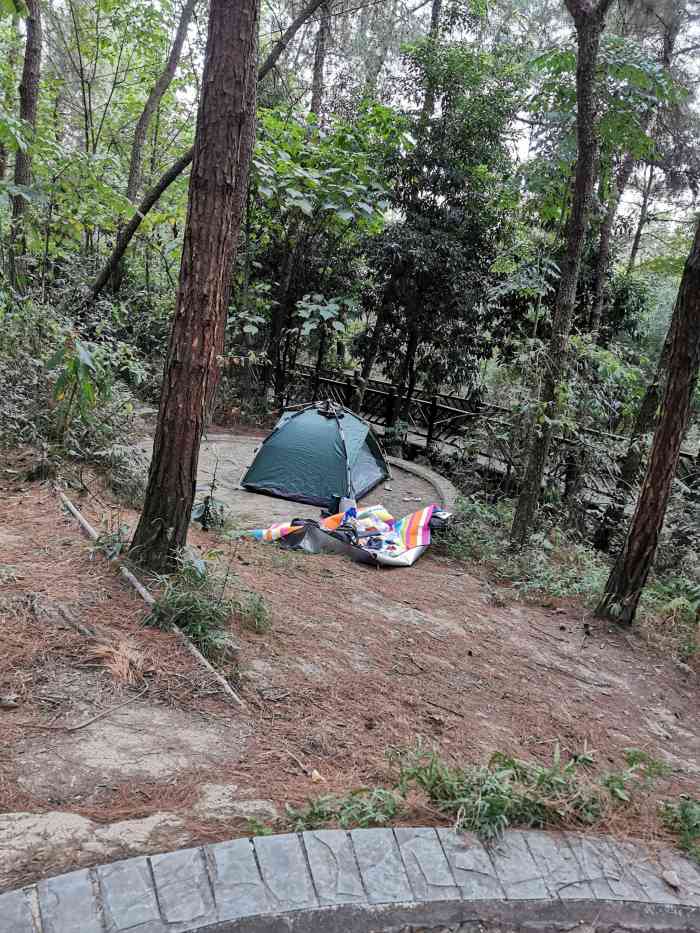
[[369, 881]]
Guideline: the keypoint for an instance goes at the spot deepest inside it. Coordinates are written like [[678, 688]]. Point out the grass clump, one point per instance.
[[254, 613], [507, 792], [683, 819], [360, 808], [192, 600]]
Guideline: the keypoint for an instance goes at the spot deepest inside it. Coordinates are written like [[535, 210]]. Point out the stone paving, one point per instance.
[[374, 881]]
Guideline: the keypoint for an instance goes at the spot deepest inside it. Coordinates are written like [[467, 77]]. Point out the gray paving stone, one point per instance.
[[285, 872], [381, 867], [239, 890], [128, 897], [68, 904], [558, 866], [471, 866], [688, 875], [333, 866], [426, 864], [184, 892], [646, 870], [600, 865], [519, 874], [15, 913]]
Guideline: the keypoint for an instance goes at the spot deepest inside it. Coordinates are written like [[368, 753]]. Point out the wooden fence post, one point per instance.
[[349, 392], [391, 407], [432, 417]]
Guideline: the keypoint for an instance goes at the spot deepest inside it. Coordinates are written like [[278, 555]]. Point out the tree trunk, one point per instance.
[[322, 37], [589, 26], [374, 341], [177, 168], [629, 575], [641, 223], [28, 101], [222, 151], [631, 466]]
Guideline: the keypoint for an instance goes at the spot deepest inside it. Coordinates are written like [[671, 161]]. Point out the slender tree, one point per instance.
[[629, 575], [7, 84], [589, 20], [152, 196], [622, 177], [28, 103], [218, 184], [322, 39], [154, 98]]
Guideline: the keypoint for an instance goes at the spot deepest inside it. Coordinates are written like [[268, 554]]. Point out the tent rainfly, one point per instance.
[[318, 454]]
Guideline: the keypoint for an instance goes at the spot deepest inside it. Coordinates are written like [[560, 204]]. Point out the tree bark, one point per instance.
[[589, 26], [629, 575], [177, 168], [154, 98], [222, 151], [28, 101], [318, 82]]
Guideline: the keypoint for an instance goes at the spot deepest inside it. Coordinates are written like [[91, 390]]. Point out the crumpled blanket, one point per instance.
[[370, 535]]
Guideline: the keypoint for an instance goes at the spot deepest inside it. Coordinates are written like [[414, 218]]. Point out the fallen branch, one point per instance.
[[150, 601], [88, 722], [445, 709]]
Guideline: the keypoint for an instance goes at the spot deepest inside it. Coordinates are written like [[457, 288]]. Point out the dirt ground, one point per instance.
[[113, 741]]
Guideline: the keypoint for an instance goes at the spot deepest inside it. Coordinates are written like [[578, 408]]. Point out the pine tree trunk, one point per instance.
[[222, 151], [28, 102], [589, 26], [629, 575], [318, 83]]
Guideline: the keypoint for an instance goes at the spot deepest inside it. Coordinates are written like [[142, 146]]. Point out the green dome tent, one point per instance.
[[318, 454]]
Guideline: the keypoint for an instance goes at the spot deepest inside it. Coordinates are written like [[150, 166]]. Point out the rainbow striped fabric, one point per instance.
[[388, 541]]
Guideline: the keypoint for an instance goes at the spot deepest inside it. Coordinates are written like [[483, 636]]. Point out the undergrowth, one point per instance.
[[360, 808], [683, 819], [557, 565], [507, 792], [194, 600]]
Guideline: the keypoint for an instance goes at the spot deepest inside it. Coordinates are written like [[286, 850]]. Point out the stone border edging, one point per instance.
[[332, 881], [446, 491]]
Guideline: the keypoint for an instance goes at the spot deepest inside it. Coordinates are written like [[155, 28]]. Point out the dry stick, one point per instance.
[[105, 712], [150, 601]]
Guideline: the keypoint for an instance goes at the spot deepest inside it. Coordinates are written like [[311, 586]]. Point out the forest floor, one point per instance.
[[119, 743]]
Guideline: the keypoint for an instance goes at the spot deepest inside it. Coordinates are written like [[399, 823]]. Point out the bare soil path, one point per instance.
[[358, 660]]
